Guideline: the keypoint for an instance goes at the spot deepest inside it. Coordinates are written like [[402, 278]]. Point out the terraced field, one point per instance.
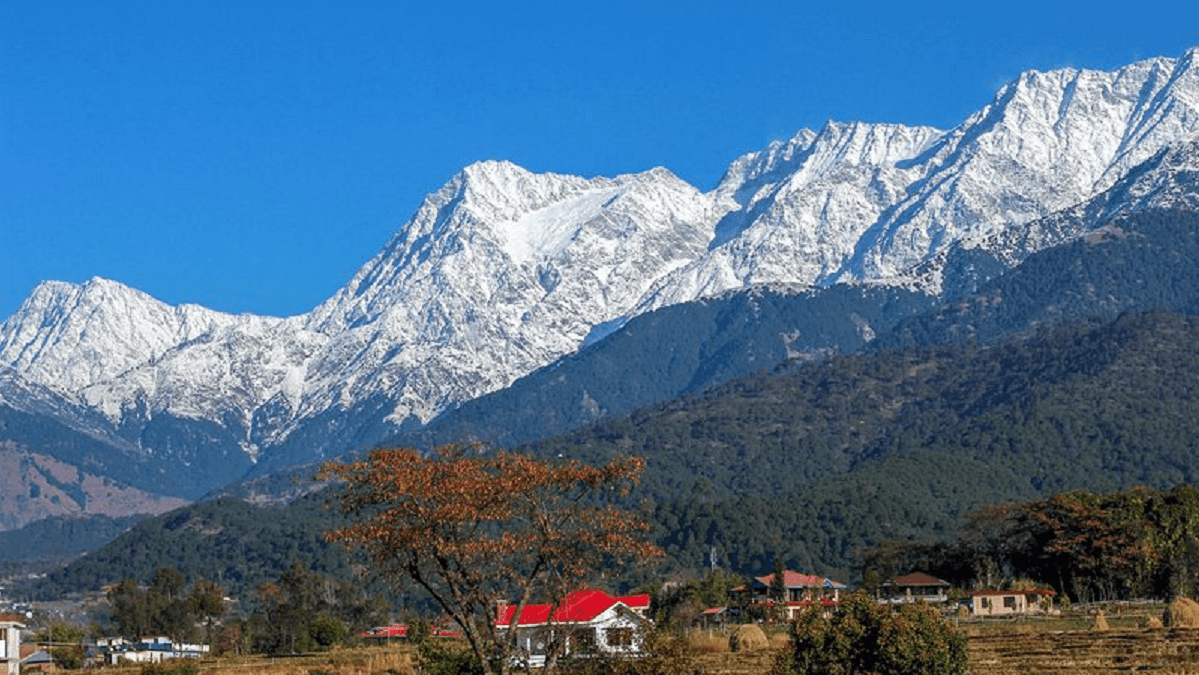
[[1004, 649], [1064, 645], [1087, 652]]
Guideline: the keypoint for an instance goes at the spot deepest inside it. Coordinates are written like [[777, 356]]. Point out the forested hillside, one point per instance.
[[1145, 261], [227, 541], [817, 463], [60, 539]]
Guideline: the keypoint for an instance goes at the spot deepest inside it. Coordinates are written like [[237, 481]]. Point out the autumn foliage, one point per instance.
[[473, 528]]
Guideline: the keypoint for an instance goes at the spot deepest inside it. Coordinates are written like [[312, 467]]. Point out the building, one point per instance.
[[585, 622], [913, 587], [713, 617], [150, 649], [803, 590], [1007, 603], [11, 626]]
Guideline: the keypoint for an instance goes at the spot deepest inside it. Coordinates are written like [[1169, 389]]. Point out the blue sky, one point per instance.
[[250, 156]]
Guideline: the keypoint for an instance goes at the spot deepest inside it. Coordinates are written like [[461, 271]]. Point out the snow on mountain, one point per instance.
[[1045, 143], [1169, 179], [499, 273], [70, 336], [502, 271], [794, 213], [867, 203]]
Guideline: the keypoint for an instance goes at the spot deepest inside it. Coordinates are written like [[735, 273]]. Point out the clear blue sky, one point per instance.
[[249, 156]]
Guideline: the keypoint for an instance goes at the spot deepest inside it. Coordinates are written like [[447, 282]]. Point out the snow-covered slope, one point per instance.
[[502, 271], [499, 273], [870, 203]]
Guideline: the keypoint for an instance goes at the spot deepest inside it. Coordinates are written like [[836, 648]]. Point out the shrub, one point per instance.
[[864, 637], [438, 659], [67, 658], [326, 630]]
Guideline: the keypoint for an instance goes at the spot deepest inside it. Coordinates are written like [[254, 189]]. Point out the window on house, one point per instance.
[[1009, 601], [582, 641], [986, 603], [619, 637]]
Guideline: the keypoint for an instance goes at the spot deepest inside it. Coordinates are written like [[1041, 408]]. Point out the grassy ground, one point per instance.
[[1065, 645]]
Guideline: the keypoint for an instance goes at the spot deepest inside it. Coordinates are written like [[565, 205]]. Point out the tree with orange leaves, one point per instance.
[[475, 528]]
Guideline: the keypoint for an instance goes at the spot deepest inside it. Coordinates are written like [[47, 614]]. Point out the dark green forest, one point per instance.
[[230, 542], [815, 463]]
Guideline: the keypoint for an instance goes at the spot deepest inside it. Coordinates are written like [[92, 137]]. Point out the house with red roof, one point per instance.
[[913, 587], [803, 590], [584, 622]]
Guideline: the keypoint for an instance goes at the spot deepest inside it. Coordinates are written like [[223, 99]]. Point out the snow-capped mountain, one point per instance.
[[871, 202], [498, 273], [502, 271]]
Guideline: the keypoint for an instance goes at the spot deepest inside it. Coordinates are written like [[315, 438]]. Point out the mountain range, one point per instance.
[[513, 295]]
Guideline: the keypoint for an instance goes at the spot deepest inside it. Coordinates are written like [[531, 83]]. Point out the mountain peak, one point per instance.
[[502, 270]]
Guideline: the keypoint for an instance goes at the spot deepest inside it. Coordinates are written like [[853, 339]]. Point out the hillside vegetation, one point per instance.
[[816, 463]]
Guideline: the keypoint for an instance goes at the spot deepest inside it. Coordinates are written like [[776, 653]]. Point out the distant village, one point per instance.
[[596, 622]]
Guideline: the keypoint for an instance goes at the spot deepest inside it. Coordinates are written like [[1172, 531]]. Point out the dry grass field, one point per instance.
[[398, 660], [1060, 646], [1064, 645]]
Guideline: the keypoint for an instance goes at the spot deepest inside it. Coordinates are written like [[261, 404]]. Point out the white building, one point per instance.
[[585, 622], [11, 626]]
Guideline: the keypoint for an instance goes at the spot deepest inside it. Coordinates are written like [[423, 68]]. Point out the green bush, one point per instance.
[[326, 630], [865, 637], [67, 658], [437, 659]]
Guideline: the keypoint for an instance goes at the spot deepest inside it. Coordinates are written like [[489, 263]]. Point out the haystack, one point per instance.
[[1182, 613], [1100, 622], [748, 637]]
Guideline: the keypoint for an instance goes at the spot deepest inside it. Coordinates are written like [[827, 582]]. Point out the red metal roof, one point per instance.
[[576, 607]]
